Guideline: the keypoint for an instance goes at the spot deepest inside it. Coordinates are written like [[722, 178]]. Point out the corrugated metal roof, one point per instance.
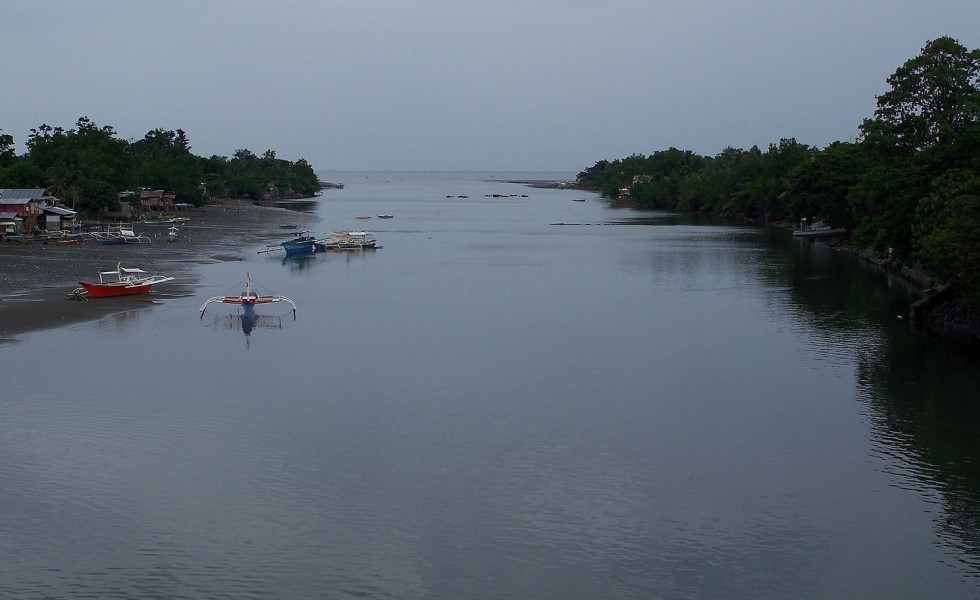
[[60, 210], [10, 217], [14, 196]]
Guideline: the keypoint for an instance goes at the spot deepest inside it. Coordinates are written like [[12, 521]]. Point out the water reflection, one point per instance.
[[246, 322], [921, 394], [298, 262], [924, 410], [122, 321]]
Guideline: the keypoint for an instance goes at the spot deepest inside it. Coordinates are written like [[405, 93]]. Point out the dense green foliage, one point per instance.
[[909, 186], [89, 165]]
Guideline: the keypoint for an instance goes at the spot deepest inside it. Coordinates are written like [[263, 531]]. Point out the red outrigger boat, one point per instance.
[[248, 299], [122, 282]]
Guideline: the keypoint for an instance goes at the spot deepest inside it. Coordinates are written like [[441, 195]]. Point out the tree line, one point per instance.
[[87, 166], [907, 187]]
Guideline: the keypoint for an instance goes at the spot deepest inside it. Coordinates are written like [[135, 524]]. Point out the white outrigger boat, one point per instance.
[[247, 300]]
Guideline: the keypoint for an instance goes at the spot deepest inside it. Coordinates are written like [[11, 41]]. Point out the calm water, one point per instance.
[[497, 406]]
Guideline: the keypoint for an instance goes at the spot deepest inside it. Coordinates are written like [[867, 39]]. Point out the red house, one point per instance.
[[22, 207]]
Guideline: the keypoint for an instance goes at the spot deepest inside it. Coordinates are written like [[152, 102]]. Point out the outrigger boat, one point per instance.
[[302, 243], [247, 300], [119, 235], [168, 221], [348, 240], [121, 282], [70, 240]]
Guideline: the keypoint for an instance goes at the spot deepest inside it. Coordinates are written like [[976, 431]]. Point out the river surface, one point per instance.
[[516, 397]]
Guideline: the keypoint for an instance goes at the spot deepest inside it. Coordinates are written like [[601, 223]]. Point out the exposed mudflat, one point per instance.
[[36, 278]]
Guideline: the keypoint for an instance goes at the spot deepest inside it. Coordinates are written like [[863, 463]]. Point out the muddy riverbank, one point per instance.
[[36, 278]]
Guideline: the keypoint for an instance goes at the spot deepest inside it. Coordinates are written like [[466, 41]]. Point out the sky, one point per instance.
[[463, 85]]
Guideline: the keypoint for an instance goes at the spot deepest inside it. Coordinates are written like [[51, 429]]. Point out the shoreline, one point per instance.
[[36, 278], [939, 312]]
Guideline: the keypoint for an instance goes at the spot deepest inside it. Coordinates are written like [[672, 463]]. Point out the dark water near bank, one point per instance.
[[497, 406]]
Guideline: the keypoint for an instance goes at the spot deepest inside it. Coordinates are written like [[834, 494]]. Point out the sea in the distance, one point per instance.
[[516, 397]]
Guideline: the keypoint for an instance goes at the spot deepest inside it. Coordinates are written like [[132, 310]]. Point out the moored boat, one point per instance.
[[122, 281], [301, 244], [347, 240], [119, 235], [247, 300]]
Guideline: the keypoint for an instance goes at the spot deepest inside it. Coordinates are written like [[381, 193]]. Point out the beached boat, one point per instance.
[[122, 281], [70, 240], [119, 235], [170, 221]]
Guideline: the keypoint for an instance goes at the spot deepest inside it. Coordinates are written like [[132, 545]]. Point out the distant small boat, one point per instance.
[[170, 221], [386, 216], [816, 230], [365, 217], [289, 226], [122, 282]]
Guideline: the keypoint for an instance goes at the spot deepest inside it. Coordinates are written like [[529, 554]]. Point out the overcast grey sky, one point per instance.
[[461, 84]]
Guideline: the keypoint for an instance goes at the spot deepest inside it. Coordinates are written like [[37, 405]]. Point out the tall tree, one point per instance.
[[926, 124], [164, 161], [819, 188], [7, 154], [934, 98]]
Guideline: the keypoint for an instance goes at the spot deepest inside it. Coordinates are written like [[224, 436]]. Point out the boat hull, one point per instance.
[[70, 241], [117, 241], [293, 249], [102, 290]]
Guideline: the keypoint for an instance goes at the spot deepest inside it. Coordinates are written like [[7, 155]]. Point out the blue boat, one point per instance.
[[301, 244]]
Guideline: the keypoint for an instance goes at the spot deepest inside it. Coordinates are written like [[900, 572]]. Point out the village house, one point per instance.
[[156, 201], [20, 208], [133, 205], [59, 218], [27, 210]]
